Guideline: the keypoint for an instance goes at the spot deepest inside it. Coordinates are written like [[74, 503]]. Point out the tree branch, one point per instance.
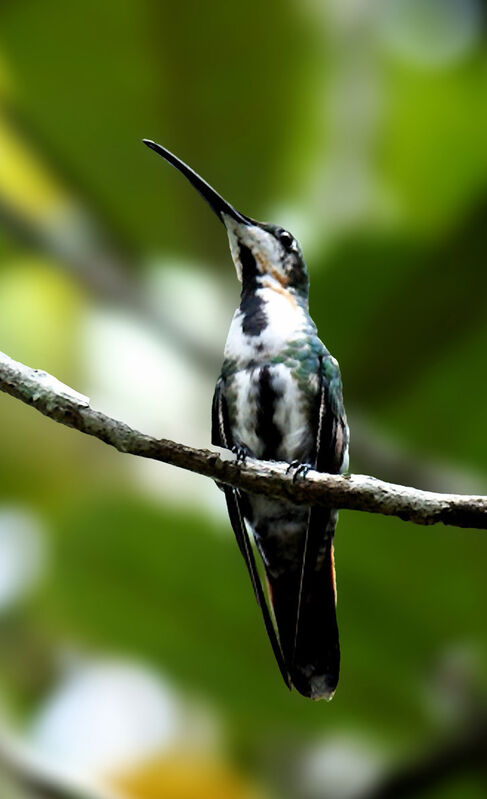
[[25, 769], [355, 492], [105, 264]]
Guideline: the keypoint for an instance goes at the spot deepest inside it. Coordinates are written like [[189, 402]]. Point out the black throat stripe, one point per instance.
[[252, 306]]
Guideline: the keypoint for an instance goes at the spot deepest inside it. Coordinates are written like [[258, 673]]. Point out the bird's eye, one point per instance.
[[286, 239]]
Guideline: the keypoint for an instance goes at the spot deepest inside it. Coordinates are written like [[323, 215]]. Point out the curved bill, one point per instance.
[[214, 200]]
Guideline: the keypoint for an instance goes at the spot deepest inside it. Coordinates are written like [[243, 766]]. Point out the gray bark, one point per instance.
[[353, 492]]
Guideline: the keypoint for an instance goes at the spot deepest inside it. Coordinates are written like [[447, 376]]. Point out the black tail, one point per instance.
[[304, 603]]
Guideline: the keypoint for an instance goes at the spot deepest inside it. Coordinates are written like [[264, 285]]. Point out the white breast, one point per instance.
[[285, 322], [246, 388], [291, 415]]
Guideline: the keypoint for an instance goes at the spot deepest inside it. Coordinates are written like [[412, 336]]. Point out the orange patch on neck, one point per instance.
[[282, 291], [266, 268], [280, 278]]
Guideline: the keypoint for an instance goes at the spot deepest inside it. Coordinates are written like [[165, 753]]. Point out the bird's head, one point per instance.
[[264, 254]]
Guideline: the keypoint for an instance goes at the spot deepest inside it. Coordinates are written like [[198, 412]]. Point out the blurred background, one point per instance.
[[132, 654]]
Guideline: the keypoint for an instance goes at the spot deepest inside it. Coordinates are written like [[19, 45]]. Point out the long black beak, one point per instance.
[[214, 200]]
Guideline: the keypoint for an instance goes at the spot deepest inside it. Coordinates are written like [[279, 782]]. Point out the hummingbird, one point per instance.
[[279, 398]]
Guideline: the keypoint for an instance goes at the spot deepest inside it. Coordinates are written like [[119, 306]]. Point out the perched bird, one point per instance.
[[279, 398]]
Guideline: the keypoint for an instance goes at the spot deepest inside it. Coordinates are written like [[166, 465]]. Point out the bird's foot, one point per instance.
[[300, 469], [242, 453]]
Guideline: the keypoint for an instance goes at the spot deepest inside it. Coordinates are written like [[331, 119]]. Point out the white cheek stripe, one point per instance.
[[263, 245], [233, 241]]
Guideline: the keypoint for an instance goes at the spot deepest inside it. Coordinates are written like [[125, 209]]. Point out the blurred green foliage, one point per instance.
[[243, 94]]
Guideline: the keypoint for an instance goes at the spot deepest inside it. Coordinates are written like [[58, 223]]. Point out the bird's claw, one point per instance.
[[241, 452], [293, 465], [301, 469]]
